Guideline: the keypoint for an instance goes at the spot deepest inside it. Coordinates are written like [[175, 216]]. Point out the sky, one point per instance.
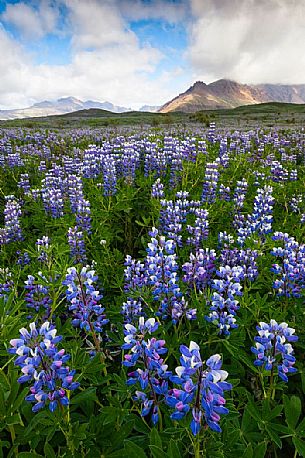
[[144, 52]]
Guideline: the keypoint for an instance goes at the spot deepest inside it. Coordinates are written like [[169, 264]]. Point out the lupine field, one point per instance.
[[152, 286]]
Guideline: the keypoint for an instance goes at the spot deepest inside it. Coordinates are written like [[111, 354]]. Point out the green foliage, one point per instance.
[[102, 420]]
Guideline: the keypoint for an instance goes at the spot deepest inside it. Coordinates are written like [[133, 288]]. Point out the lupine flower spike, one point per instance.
[[273, 348], [202, 388], [43, 364]]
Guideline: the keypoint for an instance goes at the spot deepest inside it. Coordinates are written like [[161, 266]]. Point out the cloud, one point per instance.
[[32, 22], [255, 41], [97, 24], [107, 61], [167, 10]]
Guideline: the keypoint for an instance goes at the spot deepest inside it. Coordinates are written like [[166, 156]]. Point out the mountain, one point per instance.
[[150, 108], [60, 106], [230, 94]]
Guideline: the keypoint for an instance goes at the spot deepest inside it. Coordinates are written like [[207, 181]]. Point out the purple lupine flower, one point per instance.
[[84, 300], [12, 214], [210, 182], [200, 230], [77, 245], [291, 271], [224, 304], [240, 194], [6, 283], [225, 239], [23, 258], [37, 293], [277, 172], [246, 259], [132, 309], [271, 349], [157, 190], [82, 215], [200, 269], [134, 274], [110, 175], [152, 373], [202, 389], [42, 363], [173, 214], [224, 193], [42, 246], [260, 221], [52, 192], [24, 183], [293, 175], [161, 272]]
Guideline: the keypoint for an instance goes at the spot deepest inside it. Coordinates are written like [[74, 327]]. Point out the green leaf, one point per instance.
[[299, 445], [240, 355], [292, 408], [173, 450], [87, 395], [20, 399], [274, 436], [155, 438], [13, 420], [248, 453], [28, 455], [301, 428], [247, 421], [260, 450], [132, 450], [275, 412], [49, 451], [253, 411], [156, 452]]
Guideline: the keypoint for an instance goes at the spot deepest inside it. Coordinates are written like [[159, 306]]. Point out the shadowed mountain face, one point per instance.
[[60, 106], [230, 94]]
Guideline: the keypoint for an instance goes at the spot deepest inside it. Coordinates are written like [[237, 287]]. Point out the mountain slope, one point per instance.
[[59, 107], [230, 94]]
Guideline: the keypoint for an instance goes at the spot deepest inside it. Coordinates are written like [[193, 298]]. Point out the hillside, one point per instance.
[[224, 93]]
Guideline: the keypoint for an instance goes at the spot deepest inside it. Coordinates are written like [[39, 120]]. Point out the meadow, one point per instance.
[[152, 292]]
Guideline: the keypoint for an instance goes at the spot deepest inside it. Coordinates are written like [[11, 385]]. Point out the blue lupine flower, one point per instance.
[[157, 190], [88, 313], [152, 375], [271, 349], [200, 269], [6, 283], [224, 304], [77, 245], [260, 221], [42, 363], [291, 271], [201, 389], [37, 294]]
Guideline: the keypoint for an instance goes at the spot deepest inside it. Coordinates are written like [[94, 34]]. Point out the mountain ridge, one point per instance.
[[225, 93], [58, 107]]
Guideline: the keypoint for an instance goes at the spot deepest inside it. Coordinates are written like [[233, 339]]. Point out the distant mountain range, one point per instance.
[[230, 94], [220, 94], [63, 106]]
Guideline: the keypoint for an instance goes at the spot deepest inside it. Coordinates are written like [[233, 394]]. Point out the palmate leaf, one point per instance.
[[292, 407], [240, 355], [132, 450]]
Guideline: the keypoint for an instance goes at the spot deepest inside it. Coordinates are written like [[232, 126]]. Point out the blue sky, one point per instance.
[[136, 52]]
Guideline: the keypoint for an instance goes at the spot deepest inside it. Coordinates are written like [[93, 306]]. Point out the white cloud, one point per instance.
[[107, 61], [29, 21], [97, 24], [255, 41]]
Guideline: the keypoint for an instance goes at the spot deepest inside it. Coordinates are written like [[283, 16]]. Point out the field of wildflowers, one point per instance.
[[152, 288]]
